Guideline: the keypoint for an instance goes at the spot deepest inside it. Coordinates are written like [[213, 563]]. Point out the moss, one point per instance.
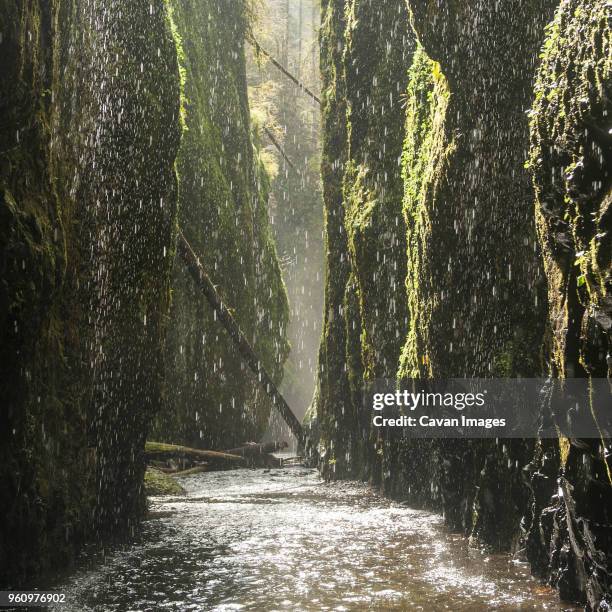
[[471, 257], [375, 70], [425, 155], [71, 270], [157, 483], [365, 50], [570, 161], [212, 400], [333, 398]]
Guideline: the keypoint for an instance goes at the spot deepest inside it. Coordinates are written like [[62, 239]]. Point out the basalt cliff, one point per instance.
[[466, 176]]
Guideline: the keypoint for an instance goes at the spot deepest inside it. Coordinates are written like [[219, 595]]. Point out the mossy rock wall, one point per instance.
[[570, 538], [212, 398], [88, 139], [333, 406], [95, 96], [482, 266], [475, 283], [366, 48], [444, 142]]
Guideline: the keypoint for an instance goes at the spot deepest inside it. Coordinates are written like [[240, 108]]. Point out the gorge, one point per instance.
[[454, 221]]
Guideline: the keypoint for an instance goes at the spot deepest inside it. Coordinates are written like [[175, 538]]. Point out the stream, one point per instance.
[[285, 540]]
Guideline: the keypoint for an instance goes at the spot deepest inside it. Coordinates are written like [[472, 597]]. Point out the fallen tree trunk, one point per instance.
[[245, 349], [280, 149], [158, 450], [257, 449]]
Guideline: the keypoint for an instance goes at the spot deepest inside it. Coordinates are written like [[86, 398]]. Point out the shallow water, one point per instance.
[[284, 540]]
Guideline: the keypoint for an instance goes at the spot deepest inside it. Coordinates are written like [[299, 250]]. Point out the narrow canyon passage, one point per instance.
[[224, 222], [286, 540]]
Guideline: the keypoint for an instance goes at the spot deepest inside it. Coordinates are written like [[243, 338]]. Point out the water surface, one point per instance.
[[285, 540]]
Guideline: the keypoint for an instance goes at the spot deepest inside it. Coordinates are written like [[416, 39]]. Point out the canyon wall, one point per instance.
[[569, 537], [366, 47], [89, 135], [94, 98], [475, 281], [212, 398], [492, 289]]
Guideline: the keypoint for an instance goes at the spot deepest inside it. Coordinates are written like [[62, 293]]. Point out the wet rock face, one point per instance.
[[475, 281], [490, 41], [212, 398], [334, 407], [471, 246], [365, 49], [93, 95], [129, 111], [94, 100], [479, 262], [88, 204], [475, 197], [571, 156]]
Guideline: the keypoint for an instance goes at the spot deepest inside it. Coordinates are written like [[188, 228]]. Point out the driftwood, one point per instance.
[[293, 462], [260, 455], [160, 450], [243, 346]]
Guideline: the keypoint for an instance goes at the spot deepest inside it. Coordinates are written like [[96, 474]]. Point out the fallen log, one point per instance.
[[293, 462], [157, 450], [252, 448], [277, 64], [280, 149], [195, 268]]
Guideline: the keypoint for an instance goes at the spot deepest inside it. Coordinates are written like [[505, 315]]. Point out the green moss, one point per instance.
[[72, 193], [570, 160], [212, 400], [157, 483], [425, 154], [181, 59], [365, 318], [472, 255]]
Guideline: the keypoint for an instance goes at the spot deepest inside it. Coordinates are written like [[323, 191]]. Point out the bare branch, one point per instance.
[[260, 49]]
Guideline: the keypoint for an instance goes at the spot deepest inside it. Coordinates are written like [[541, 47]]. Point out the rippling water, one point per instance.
[[284, 540]]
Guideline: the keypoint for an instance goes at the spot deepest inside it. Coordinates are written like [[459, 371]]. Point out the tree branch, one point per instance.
[[280, 149], [260, 49]]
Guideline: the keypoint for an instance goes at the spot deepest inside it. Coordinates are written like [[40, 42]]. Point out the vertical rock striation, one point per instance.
[[479, 261], [570, 532], [94, 100], [212, 398], [366, 47], [89, 135], [475, 283], [455, 109]]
